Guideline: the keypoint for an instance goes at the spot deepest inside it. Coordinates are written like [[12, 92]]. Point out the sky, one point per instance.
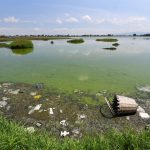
[[74, 17]]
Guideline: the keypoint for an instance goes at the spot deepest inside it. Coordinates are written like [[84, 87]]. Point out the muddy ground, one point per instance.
[[56, 112]]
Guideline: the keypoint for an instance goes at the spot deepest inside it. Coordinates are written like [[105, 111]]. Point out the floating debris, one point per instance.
[[3, 103], [64, 133], [30, 129], [51, 111], [64, 123]]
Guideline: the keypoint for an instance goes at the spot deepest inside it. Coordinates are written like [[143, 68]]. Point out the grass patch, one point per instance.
[[115, 44], [21, 44], [3, 45], [76, 41], [107, 40], [14, 137], [22, 51], [110, 48]]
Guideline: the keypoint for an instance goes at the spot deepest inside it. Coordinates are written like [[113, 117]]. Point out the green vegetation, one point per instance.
[[115, 44], [21, 44], [107, 40], [15, 137], [110, 48], [76, 41], [22, 51], [3, 39], [3, 45]]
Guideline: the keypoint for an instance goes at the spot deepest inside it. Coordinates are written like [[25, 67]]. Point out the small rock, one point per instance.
[[3, 103], [30, 129], [61, 111], [140, 109], [33, 93], [6, 84], [144, 88], [5, 98], [64, 133], [144, 116], [0, 86], [38, 124], [51, 111], [63, 122]]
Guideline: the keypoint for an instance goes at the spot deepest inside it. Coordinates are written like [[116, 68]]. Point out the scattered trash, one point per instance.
[[51, 111], [38, 124], [5, 98], [83, 116], [6, 84], [3, 103], [39, 86], [140, 109], [37, 107], [8, 108], [64, 123], [144, 116], [64, 133], [30, 129], [144, 88], [37, 97], [128, 117], [33, 93], [61, 111], [76, 131], [15, 92]]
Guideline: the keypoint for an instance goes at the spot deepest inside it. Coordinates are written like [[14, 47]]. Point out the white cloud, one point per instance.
[[67, 14], [10, 20], [87, 18], [72, 19], [59, 21], [36, 29]]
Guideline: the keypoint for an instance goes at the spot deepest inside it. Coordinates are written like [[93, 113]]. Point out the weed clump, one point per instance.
[[76, 41]]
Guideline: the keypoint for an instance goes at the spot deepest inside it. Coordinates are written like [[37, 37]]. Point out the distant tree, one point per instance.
[[134, 34]]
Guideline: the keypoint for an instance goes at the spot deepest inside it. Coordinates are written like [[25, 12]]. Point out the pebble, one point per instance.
[[3, 103], [30, 129], [64, 133]]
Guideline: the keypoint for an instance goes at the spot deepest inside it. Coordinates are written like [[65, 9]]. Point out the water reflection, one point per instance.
[[22, 51]]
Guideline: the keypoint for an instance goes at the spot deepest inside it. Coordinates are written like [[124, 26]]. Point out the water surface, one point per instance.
[[84, 66]]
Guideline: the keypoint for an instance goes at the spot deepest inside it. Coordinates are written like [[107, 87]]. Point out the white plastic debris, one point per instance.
[[61, 111], [144, 88], [83, 116], [128, 117], [51, 111], [3, 104], [30, 129], [15, 92], [64, 133], [63, 122], [76, 131], [37, 107], [140, 109], [144, 116], [33, 93], [38, 124], [5, 98]]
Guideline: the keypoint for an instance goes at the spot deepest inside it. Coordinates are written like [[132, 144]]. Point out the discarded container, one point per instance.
[[122, 105]]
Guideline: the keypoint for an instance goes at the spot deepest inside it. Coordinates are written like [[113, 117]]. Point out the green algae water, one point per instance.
[[84, 66]]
